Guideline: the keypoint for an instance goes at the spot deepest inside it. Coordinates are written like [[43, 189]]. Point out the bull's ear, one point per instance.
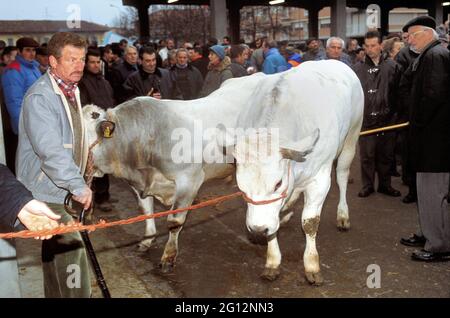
[[299, 150]]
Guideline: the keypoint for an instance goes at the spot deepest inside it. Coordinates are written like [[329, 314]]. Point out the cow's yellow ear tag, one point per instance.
[[107, 128]]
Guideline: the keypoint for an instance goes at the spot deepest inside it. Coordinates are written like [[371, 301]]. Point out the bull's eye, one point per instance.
[[95, 115], [278, 185]]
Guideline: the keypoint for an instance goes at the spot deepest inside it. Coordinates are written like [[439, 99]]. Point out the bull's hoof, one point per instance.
[[343, 225], [145, 245], [166, 267], [315, 279], [270, 274]]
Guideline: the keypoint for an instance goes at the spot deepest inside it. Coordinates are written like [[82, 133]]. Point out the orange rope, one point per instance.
[[64, 228], [75, 227]]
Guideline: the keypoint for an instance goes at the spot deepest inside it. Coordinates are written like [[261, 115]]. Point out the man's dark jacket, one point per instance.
[[429, 114], [140, 83], [380, 86], [94, 89], [13, 197], [189, 81], [404, 59], [118, 76]]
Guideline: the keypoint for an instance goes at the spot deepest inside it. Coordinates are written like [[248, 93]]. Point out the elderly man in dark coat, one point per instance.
[[429, 140]]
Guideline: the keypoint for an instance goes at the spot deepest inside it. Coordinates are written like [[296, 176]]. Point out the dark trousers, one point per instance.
[[101, 189], [11, 141], [408, 174], [64, 263], [376, 155], [434, 210]]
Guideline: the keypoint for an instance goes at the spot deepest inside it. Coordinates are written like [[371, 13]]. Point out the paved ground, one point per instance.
[[217, 260]]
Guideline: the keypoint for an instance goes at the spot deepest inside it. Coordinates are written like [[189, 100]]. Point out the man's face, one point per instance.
[[419, 37], [191, 53], [313, 45], [131, 56], [170, 44], [108, 56], [93, 64], [397, 47], [28, 53], [372, 47], [353, 45], [8, 58], [70, 65], [182, 58], [149, 62], [334, 50], [42, 59]]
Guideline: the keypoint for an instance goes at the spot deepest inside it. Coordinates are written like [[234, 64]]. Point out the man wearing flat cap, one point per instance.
[[429, 139], [18, 76]]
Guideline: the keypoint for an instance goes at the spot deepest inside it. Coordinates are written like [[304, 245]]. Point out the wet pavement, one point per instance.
[[217, 260]]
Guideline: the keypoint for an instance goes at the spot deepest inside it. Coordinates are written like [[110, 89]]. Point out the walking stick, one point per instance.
[[90, 251], [388, 128]]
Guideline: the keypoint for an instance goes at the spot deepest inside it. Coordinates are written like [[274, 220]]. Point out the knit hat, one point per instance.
[[218, 50]]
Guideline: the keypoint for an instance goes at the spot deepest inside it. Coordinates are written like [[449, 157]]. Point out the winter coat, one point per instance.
[[13, 197], [17, 78], [380, 86], [294, 60], [94, 89], [118, 75], [238, 70], [45, 163], [216, 76], [274, 62], [202, 65], [189, 81], [429, 131], [140, 83], [404, 59]]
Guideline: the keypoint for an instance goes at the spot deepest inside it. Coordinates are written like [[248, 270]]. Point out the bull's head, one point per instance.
[[265, 176], [97, 127]]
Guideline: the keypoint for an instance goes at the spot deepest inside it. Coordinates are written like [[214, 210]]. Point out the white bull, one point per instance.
[[142, 146], [318, 109]]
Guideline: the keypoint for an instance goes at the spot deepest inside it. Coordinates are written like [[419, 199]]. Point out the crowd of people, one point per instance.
[[44, 87]]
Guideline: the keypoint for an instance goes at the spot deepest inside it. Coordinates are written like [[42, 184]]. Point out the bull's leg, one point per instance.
[[273, 261], [186, 190], [342, 172], [146, 207], [315, 195]]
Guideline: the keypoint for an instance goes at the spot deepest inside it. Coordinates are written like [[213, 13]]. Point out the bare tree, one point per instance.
[[127, 22]]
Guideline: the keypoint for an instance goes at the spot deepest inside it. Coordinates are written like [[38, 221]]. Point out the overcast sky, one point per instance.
[[98, 11]]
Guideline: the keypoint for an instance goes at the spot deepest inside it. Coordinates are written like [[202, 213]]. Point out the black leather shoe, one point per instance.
[[425, 256], [390, 191], [410, 198], [415, 241], [365, 192]]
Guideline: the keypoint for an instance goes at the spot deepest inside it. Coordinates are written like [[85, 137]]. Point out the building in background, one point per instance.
[[42, 30], [291, 24]]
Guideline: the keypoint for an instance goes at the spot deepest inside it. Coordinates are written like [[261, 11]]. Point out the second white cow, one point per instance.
[[317, 109]]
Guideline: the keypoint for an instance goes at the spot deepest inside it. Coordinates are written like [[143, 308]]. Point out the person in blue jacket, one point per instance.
[[18, 76], [274, 62]]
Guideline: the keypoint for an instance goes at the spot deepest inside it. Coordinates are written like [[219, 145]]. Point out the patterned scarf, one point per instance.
[[68, 89]]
